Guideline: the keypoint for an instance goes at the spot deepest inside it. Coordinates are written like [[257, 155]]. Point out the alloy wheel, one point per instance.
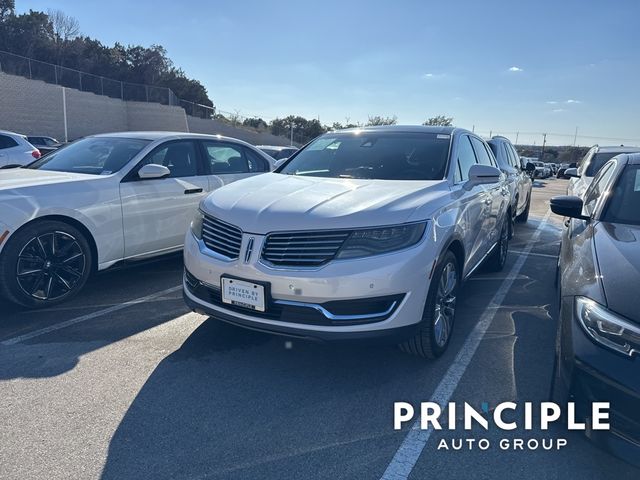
[[445, 304], [50, 265]]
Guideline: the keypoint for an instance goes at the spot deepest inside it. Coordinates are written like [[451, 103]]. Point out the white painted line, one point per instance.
[[407, 455], [89, 316], [533, 254]]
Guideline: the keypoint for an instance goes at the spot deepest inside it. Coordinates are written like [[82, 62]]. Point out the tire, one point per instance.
[[44, 263], [524, 216], [498, 258], [438, 316]]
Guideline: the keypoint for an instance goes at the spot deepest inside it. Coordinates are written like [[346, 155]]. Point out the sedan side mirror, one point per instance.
[[153, 170], [530, 167], [482, 175], [571, 173], [568, 206]]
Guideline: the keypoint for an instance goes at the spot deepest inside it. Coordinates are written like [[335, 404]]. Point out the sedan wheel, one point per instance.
[[44, 263], [49, 266]]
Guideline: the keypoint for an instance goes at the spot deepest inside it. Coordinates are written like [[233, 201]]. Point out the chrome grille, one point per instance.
[[221, 237], [303, 249]]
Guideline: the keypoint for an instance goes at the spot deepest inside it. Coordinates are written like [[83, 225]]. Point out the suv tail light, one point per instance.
[[36, 154]]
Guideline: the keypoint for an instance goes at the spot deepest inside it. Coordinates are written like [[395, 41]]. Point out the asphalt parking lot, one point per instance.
[[124, 382]]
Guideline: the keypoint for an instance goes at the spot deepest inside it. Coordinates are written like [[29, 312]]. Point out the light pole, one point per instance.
[[291, 133]]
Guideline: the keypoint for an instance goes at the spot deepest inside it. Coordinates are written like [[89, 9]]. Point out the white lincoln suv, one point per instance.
[[363, 233]]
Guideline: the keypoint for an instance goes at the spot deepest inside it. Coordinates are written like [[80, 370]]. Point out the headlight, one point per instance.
[[374, 241], [607, 328], [196, 224]]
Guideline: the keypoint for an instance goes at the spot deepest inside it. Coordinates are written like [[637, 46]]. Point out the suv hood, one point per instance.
[[25, 177], [275, 202], [618, 250]]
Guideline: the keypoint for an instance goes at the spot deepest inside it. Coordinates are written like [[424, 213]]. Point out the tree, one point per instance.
[[439, 120], [378, 120], [257, 123], [7, 7], [64, 26]]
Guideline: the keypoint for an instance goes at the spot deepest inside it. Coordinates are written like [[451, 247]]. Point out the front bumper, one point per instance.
[[592, 373], [380, 296]]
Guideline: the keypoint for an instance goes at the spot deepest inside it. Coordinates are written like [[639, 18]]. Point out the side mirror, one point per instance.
[[571, 173], [568, 206], [482, 175], [153, 170], [530, 167]]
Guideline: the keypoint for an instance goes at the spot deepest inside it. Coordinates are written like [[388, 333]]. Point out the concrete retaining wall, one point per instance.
[[33, 107]]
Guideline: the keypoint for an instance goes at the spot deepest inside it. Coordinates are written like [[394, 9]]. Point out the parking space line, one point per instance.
[[89, 316], [534, 254], [411, 448]]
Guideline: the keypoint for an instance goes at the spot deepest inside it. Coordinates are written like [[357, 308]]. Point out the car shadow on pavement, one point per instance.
[[58, 351], [235, 403]]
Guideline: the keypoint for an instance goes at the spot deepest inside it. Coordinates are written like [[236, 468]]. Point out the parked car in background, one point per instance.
[[541, 171], [44, 144], [278, 152], [15, 150], [595, 158], [598, 353], [520, 184], [563, 168], [363, 233], [106, 199]]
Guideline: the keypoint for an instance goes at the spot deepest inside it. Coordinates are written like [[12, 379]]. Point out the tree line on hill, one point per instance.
[[55, 37]]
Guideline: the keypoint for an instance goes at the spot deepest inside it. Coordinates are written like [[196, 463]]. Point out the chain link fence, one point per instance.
[[13, 64]]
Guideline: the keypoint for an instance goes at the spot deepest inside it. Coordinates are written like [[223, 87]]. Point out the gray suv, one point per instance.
[[518, 179]]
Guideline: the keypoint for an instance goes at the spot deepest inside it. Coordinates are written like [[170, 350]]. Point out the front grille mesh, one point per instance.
[[221, 237], [303, 249]]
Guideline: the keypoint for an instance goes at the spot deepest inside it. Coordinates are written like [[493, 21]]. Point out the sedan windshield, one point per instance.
[[625, 198], [373, 155], [93, 155]]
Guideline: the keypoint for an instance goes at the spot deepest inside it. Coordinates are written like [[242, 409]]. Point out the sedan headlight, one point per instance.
[[607, 328], [196, 224], [374, 241]]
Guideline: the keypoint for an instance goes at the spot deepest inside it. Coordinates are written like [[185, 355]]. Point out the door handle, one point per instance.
[[190, 191]]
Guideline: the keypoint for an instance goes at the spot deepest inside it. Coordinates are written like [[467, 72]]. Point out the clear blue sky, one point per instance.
[[505, 66]]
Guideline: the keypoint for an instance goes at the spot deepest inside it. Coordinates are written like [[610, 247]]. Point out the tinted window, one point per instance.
[[597, 188], [513, 155], [481, 152], [598, 160], [625, 198], [93, 155], [7, 142], [373, 155], [225, 158], [255, 161], [179, 157], [466, 158]]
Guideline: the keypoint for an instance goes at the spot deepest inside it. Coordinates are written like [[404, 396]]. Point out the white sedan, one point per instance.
[[15, 150], [105, 199]]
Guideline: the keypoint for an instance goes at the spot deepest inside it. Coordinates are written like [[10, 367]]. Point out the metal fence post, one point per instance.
[[55, 73], [146, 92], [121, 90], [101, 85], [30, 76], [80, 78]]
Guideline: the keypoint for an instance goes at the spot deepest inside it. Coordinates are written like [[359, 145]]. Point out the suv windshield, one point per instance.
[[373, 155], [625, 198], [93, 155]]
